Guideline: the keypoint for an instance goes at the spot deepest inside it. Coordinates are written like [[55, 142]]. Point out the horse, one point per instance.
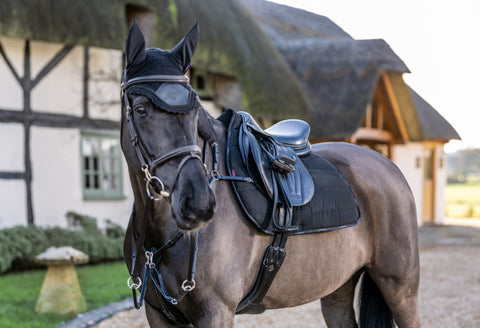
[[202, 254]]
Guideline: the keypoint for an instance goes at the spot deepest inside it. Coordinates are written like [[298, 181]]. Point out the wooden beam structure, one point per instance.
[[28, 117]]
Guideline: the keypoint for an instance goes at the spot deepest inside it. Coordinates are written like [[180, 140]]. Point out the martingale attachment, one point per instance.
[[152, 272]]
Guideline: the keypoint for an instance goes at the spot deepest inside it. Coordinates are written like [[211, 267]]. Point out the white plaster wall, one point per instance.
[[409, 158], [61, 90], [12, 203], [440, 184], [11, 147], [211, 108], [12, 192], [104, 86], [11, 95], [57, 181]]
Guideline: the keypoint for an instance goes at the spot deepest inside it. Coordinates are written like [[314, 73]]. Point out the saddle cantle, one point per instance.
[[291, 133]]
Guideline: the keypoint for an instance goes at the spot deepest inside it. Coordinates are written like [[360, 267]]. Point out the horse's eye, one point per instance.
[[140, 110]]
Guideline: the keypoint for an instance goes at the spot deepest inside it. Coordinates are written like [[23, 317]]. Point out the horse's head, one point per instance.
[[159, 130]]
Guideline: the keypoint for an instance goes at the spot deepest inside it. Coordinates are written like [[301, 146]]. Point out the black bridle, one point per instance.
[[148, 163]]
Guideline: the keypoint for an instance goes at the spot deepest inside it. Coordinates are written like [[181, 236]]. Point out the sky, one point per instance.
[[439, 41]]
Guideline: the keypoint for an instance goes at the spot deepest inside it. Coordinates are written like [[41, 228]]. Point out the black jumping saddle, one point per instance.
[[293, 190]]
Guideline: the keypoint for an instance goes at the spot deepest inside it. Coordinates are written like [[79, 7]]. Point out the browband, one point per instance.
[[157, 78]]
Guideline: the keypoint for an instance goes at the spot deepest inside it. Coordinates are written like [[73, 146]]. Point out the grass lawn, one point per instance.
[[463, 199], [100, 284]]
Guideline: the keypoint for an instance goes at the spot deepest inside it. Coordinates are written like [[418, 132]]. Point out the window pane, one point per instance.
[[115, 181], [96, 182], [101, 166], [87, 147], [106, 182]]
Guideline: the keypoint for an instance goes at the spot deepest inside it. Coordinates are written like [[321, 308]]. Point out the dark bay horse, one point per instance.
[[202, 254]]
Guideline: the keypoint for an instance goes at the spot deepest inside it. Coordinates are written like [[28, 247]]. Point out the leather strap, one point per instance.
[[193, 150], [271, 263]]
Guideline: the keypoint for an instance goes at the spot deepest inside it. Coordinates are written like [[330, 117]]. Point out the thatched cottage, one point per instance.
[[59, 104]]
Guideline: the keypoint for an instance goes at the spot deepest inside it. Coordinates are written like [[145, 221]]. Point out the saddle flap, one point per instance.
[[297, 185], [255, 160]]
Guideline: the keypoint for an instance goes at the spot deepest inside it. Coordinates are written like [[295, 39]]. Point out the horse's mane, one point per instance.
[[204, 125]]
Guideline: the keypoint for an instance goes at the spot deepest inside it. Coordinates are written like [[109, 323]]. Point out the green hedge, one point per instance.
[[19, 245]]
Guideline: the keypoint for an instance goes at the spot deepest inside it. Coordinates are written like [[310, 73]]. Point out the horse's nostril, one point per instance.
[[200, 208]]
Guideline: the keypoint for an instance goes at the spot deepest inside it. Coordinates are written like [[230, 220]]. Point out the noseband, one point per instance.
[[149, 162]]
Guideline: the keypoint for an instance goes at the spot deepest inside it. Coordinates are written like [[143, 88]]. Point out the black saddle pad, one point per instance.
[[332, 207]]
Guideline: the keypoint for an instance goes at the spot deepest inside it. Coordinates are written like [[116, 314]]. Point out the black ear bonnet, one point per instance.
[[172, 97]]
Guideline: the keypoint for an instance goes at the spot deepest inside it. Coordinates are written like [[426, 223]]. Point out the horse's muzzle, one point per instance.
[[195, 210]]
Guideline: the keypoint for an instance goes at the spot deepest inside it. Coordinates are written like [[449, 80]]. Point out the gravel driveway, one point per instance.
[[449, 288]]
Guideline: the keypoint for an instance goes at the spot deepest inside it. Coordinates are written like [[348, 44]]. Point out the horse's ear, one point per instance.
[[184, 49], [135, 48]]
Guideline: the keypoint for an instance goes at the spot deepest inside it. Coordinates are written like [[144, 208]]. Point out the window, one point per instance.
[[101, 166], [201, 83]]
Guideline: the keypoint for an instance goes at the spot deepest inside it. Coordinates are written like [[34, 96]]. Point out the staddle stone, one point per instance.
[[60, 291]]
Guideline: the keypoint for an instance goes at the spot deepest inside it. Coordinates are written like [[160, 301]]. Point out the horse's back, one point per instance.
[[368, 172], [386, 202]]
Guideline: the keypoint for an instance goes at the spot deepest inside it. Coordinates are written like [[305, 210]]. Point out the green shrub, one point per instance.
[[19, 245], [83, 222], [114, 230]]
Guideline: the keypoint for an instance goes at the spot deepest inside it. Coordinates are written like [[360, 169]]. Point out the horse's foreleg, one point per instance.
[[337, 308], [215, 316], [155, 320]]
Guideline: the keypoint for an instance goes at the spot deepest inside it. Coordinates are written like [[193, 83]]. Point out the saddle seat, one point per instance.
[[290, 133]]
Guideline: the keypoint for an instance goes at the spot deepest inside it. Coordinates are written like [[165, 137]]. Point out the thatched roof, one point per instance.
[[291, 63], [339, 74], [230, 42], [99, 23], [434, 126]]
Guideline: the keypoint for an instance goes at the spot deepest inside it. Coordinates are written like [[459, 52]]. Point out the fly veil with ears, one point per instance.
[[159, 75]]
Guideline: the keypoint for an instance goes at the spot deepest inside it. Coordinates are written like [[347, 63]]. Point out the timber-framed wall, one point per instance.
[[28, 116]]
